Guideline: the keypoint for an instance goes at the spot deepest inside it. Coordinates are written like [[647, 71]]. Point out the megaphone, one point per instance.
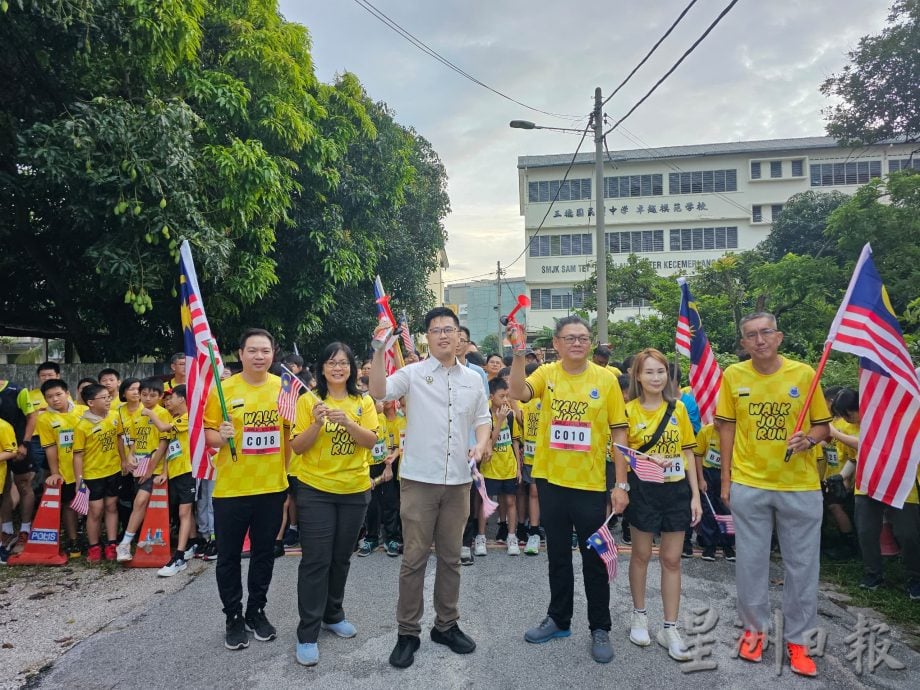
[[523, 301]]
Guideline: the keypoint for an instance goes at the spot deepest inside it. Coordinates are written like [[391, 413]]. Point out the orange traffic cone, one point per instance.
[[887, 541], [44, 545], [246, 546], [153, 540]]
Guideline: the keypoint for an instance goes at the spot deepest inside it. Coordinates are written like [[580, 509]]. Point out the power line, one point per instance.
[[425, 48], [649, 53], [675, 65]]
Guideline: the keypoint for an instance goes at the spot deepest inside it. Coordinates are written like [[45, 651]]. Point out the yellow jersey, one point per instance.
[[57, 429], [177, 451], [381, 449], [503, 462], [96, 440], [141, 430], [396, 432], [38, 400], [707, 446], [531, 430], [7, 445], [831, 450], [676, 438], [764, 408], [335, 463], [259, 436], [577, 412]]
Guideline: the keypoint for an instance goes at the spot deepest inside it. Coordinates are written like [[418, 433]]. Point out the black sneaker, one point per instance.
[[258, 625], [501, 536], [729, 553], [626, 536], [392, 548], [521, 534], [403, 653], [236, 637], [210, 551], [542, 534], [278, 549], [454, 638], [291, 538], [709, 553], [688, 550], [871, 582]]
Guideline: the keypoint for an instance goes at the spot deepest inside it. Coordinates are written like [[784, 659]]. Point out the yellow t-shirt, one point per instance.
[[765, 409], [831, 451], [96, 440], [396, 432], [259, 436], [503, 463], [576, 415], [707, 446], [80, 408], [335, 463], [37, 398], [57, 429], [381, 448], [177, 450], [613, 370], [142, 431], [677, 437], [531, 429], [7, 445]]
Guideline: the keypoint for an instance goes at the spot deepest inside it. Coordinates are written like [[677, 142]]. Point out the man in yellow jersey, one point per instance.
[[250, 486], [445, 401], [581, 407], [759, 403], [601, 358]]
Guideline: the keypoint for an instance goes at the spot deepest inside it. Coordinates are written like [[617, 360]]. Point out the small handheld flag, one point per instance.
[[488, 505], [645, 468], [291, 386], [143, 465], [603, 543], [80, 502], [726, 523]]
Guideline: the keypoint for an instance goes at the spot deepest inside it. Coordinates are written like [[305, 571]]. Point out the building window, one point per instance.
[[580, 244], [775, 210], [633, 185], [557, 298], [756, 214], [635, 242], [636, 303], [755, 170], [776, 169], [696, 239], [568, 190], [798, 167], [903, 164], [703, 181], [836, 174]]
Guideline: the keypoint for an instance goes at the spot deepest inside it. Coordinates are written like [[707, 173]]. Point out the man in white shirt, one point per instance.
[[444, 402]]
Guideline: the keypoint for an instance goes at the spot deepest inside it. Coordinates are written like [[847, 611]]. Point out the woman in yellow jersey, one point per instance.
[[659, 426], [333, 435]]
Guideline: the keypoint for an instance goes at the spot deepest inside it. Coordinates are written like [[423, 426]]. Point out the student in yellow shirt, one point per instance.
[[16, 408], [80, 405], [177, 367], [334, 433], [250, 486], [8, 450], [381, 469], [96, 461], [709, 477], [502, 470], [55, 429], [531, 503], [838, 492]]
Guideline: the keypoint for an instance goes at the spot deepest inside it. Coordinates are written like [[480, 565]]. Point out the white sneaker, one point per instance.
[[514, 548], [671, 640], [638, 630], [466, 555], [533, 545], [189, 553], [479, 545], [123, 553], [176, 565]]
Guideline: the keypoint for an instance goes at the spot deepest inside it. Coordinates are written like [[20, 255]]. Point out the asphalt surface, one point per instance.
[[176, 640]]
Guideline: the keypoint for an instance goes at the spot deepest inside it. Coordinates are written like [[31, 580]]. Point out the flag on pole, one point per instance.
[[889, 391], [390, 352], [488, 505], [198, 374], [646, 469], [726, 523], [602, 542], [691, 341], [80, 502], [287, 396], [407, 341]]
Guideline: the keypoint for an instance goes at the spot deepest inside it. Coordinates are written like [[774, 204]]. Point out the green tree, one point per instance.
[[629, 282], [489, 345], [800, 228], [879, 91]]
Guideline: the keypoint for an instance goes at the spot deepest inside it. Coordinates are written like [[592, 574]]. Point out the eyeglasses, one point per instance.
[[446, 330], [338, 364], [763, 333], [572, 339], [464, 341], [104, 396]]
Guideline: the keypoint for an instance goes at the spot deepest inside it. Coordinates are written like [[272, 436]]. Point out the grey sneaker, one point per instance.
[[466, 555], [601, 650], [546, 631]]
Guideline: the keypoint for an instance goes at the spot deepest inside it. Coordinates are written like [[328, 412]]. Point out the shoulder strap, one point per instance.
[[648, 445]]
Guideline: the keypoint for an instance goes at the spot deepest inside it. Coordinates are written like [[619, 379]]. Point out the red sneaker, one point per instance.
[[750, 646], [94, 554], [799, 661], [111, 552]]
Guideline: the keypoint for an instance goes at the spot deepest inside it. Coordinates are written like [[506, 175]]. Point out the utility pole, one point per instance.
[[498, 287], [599, 232]]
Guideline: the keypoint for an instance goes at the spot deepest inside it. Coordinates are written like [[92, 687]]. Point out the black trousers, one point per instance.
[[383, 510], [561, 509], [906, 526], [260, 515], [328, 525]]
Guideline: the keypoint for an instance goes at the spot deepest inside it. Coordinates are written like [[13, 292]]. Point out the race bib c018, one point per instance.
[[261, 440]]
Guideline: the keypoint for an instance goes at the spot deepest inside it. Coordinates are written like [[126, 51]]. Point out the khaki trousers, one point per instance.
[[430, 513]]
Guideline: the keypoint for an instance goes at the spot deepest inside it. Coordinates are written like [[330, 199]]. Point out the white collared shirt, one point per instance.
[[443, 405]]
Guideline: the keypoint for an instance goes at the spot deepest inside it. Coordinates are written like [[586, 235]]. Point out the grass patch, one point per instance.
[[890, 600]]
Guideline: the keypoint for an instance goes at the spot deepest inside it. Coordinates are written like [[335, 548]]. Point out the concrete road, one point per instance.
[[177, 640]]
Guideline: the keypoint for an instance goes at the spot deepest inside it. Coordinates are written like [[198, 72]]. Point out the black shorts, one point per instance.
[[24, 466], [143, 486], [104, 487], [292, 486], [182, 489], [658, 507], [498, 487], [68, 493], [527, 474]]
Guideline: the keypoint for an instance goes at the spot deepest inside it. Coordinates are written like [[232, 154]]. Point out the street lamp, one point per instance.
[[597, 122]]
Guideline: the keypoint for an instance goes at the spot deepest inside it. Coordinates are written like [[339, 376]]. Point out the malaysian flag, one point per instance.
[[287, 396], [646, 469], [691, 341], [407, 341], [80, 502], [143, 465], [391, 348], [726, 523], [199, 376], [889, 391], [488, 505], [602, 542]]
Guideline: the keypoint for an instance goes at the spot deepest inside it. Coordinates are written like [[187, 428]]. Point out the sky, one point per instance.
[[756, 76]]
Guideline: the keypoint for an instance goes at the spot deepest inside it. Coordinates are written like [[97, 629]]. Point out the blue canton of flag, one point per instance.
[[603, 544]]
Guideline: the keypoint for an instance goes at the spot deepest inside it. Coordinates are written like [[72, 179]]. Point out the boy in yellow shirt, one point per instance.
[[8, 450], [502, 471]]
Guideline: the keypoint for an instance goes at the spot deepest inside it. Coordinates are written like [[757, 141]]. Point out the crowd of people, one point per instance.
[[372, 463]]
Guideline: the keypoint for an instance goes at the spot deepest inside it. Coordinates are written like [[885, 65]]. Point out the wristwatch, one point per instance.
[[622, 485]]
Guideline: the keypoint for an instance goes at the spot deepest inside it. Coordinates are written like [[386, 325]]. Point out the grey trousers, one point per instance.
[[205, 508], [797, 516], [906, 526]]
